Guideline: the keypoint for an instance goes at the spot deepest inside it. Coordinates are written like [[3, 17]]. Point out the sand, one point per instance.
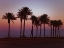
[[32, 43]]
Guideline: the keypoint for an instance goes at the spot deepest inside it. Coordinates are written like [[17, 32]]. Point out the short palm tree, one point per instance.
[[59, 25], [45, 20], [40, 28], [55, 25], [36, 23], [33, 18], [40, 24], [9, 16], [53, 28], [51, 25], [25, 12]]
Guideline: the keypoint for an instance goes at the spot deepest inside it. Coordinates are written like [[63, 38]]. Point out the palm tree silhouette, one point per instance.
[[40, 25], [9, 16], [45, 20], [53, 28], [51, 25], [33, 18], [36, 23], [25, 11], [59, 25], [20, 15], [40, 28], [55, 25]]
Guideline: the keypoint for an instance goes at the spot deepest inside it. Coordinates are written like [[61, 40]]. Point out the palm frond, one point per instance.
[[4, 17]]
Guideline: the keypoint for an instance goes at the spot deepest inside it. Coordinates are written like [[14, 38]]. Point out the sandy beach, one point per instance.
[[31, 43]]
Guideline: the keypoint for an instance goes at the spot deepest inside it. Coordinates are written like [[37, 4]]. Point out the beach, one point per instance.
[[31, 43]]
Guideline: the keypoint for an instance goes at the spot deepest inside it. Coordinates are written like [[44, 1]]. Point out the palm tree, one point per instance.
[[51, 24], [40, 28], [20, 15], [55, 25], [59, 25], [33, 18], [53, 28], [36, 23], [9, 16], [45, 20], [40, 25], [25, 11]]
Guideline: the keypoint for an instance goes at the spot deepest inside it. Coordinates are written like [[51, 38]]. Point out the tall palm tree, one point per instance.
[[26, 11], [20, 15], [33, 18], [45, 20], [59, 25], [36, 23], [9, 16]]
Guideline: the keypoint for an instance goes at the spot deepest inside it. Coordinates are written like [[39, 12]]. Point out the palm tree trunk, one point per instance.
[[36, 31], [55, 31], [44, 29], [51, 31], [9, 30], [32, 30], [40, 30], [58, 31], [24, 29], [21, 30]]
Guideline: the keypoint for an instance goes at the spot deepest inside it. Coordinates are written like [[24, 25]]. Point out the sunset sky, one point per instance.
[[54, 9]]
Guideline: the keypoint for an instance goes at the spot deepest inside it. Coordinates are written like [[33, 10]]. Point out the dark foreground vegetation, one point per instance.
[[31, 42]]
